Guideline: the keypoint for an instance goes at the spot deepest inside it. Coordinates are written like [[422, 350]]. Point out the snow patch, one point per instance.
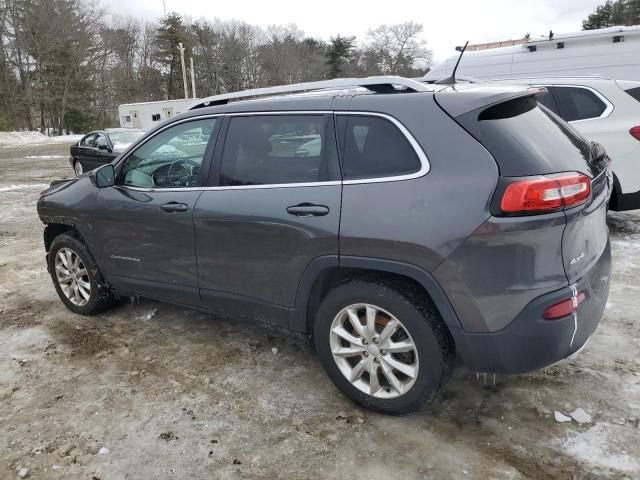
[[8, 139], [27, 186], [596, 447], [44, 157]]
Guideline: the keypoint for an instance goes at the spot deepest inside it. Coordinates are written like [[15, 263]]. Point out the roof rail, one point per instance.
[[386, 84]]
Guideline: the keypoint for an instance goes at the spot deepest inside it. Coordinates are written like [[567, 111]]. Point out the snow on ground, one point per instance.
[[13, 188], [44, 157], [9, 139], [598, 446]]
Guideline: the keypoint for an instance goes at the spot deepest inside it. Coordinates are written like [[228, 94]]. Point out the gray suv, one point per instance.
[[396, 224]]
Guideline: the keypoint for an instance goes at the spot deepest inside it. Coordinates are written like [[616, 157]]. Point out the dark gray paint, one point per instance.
[[241, 252]]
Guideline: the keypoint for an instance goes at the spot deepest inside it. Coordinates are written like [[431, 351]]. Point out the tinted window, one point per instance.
[[274, 149], [634, 92], [374, 147], [528, 140], [546, 99], [171, 158], [579, 103]]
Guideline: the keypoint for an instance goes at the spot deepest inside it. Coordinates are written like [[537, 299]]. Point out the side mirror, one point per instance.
[[101, 144], [105, 176]]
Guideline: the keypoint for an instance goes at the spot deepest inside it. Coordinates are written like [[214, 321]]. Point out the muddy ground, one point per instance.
[[171, 393]]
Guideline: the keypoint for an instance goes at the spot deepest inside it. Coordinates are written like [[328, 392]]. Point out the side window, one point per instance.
[[171, 158], [274, 149], [546, 98], [374, 147], [579, 103], [89, 140]]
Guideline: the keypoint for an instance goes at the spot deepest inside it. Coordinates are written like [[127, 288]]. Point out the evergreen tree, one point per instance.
[[339, 52], [170, 34], [618, 12]]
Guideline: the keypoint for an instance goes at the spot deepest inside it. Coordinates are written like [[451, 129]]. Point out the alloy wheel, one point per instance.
[[374, 351], [72, 276], [77, 168]]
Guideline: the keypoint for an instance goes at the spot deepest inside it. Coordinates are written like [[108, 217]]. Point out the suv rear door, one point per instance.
[[272, 206]]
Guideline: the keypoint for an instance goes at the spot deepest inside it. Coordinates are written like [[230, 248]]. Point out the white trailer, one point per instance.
[[146, 115], [610, 52]]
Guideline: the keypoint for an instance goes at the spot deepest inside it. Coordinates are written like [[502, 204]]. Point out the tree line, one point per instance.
[[68, 64], [612, 13]]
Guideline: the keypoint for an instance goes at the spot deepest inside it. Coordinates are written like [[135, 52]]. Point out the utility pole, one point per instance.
[[184, 71], [193, 80]]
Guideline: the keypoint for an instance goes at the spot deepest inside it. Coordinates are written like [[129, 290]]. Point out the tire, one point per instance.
[[84, 301], [78, 169], [431, 360]]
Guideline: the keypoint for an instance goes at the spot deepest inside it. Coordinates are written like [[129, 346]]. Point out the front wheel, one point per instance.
[[76, 277], [383, 346], [77, 168]]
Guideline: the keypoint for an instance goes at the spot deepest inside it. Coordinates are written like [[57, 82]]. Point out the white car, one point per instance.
[[605, 111]]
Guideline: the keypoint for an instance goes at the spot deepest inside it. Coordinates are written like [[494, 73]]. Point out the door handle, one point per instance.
[[307, 210], [174, 207]]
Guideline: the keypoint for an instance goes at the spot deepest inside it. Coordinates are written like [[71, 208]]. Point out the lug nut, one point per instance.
[[377, 360], [383, 352], [366, 354], [364, 342], [375, 340]]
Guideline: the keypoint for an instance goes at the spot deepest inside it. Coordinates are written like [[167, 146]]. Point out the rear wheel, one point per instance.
[[77, 168], [383, 346], [76, 277]]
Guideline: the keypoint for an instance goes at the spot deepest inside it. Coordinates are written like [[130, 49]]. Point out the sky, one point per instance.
[[446, 23]]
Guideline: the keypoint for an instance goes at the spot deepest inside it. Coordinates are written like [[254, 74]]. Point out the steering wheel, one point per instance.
[[178, 178]]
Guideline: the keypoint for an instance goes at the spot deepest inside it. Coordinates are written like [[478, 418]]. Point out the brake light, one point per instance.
[[546, 193], [635, 132], [564, 308]]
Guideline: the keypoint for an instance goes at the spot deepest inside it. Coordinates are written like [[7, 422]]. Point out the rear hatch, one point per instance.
[[545, 165]]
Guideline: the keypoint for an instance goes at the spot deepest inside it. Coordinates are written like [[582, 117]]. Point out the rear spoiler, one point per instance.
[[460, 99]]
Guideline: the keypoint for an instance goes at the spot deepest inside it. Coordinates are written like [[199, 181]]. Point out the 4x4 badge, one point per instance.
[[577, 259]]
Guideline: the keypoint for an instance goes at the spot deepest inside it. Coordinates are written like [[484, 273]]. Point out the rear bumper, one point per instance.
[[530, 342]]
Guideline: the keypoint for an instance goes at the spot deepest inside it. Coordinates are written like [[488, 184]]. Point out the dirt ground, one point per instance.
[[153, 391]]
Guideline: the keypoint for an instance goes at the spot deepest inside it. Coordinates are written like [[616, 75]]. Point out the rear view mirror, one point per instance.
[[105, 176]]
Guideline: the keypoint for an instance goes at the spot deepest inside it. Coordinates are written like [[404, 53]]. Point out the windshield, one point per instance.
[[121, 140]]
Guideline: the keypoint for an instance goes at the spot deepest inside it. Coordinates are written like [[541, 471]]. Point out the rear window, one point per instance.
[[579, 103], [634, 92], [526, 139]]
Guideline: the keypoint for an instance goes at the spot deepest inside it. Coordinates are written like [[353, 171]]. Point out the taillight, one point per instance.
[[635, 132], [539, 194], [564, 308]]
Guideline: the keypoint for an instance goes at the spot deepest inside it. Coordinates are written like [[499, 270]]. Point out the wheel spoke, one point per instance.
[[83, 291], [371, 321], [63, 258], [83, 284], [391, 378], [359, 369], [342, 333], [355, 322], [62, 269], [346, 352], [82, 272], [65, 279], [374, 384], [389, 329], [408, 370], [69, 258], [400, 347]]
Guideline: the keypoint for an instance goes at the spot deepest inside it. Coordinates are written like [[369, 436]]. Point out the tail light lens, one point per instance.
[[635, 132], [564, 308], [539, 194]]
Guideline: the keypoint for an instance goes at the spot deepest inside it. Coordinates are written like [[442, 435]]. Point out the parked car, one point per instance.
[[608, 112], [432, 221], [100, 147]]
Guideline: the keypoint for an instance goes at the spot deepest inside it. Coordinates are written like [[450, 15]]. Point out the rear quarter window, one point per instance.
[[374, 147], [579, 103]]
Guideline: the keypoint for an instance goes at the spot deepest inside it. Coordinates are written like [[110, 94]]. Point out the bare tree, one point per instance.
[[399, 48]]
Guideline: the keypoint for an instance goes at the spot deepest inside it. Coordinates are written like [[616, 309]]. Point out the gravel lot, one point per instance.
[[155, 391]]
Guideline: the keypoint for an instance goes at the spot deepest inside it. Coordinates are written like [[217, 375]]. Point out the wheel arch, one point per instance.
[[53, 230], [324, 273]]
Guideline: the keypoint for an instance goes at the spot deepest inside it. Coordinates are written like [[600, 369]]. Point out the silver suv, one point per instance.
[[395, 224]]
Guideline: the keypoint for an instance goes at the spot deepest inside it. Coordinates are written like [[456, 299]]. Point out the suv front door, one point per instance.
[[272, 208], [144, 224]]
